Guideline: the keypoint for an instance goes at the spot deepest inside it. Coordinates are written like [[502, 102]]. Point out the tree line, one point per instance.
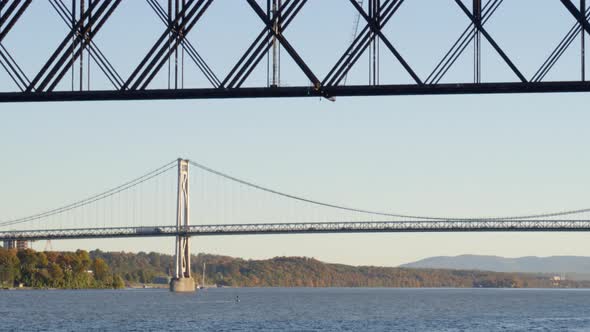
[[308, 272], [74, 270], [98, 269]]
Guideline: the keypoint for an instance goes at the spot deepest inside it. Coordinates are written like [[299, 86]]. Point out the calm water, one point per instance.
[[339, 309]]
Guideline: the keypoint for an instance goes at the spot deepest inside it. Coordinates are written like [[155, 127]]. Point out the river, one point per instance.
[[297, 309]]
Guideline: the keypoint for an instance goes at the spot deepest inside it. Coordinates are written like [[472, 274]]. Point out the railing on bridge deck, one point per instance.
[[538, 225]]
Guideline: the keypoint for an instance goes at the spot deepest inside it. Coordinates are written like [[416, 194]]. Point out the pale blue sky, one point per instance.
[[440, 155]]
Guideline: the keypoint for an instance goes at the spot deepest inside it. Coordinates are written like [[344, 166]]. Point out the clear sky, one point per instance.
[[437, 155]]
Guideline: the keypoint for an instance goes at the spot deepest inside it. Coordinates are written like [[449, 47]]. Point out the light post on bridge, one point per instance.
[[182, 280]]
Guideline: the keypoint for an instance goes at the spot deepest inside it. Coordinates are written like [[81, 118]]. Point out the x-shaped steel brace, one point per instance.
[[81, 33], [373, 24], [580, 17], [95, 53], [359, 45], [7, 20], [479, 26], [288, 47], [254, 54], [461, 44], [188, 47], [167, 43]]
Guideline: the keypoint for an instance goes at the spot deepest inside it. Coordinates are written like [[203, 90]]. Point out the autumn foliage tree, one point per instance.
[[55, 270]]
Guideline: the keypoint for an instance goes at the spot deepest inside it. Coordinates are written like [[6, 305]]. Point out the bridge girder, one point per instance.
[[438, 226], [180, 18]]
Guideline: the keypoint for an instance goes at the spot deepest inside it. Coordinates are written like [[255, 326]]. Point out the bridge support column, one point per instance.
[[182, 280]]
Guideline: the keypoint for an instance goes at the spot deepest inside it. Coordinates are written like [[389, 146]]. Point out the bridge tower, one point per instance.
[[182, 280]]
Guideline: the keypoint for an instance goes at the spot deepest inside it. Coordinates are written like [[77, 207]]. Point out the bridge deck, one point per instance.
[[460, 225]]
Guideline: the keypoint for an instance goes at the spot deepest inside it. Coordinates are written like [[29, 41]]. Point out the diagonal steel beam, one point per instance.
[[359, 45], [263, 37], [449, 59], [492, 42], [374, 25], [254, 54], [13, 69], [4, 17], [558, 51], [46, 78], [96, 21], [60, 49], [11, 21], [288, 47], [290, 14], [167, 44], [188, 47], [131, 81], [356, 48], [7, 21], [181, 31], [581, 18], [95, 53]]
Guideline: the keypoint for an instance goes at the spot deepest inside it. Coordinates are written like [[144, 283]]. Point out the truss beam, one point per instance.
[[563, 45], [468, 35], [73, 45], [376, 29], [580, 17], [262, 44], [444, 226], [181, 17], [95, 53], [188, 47], [285, 43], [479, 26], [180, 25], [360, 45], [7, 21]]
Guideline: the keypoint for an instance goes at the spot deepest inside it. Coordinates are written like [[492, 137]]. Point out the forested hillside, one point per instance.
[[308, 272], [97, 269]]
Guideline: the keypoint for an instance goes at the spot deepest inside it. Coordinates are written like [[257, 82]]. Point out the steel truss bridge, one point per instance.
[[540, 225], [181, 20]]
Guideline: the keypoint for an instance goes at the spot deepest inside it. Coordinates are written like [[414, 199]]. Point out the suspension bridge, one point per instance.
[[161, 203], [64, 74]]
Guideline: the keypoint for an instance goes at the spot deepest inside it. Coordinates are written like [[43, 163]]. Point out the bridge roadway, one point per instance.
[[451, 225]]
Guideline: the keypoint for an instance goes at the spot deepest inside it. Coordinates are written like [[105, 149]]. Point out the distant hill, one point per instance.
[[576, 267], [308, 272]]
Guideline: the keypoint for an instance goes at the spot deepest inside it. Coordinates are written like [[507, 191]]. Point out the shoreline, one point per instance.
[[287, 287]]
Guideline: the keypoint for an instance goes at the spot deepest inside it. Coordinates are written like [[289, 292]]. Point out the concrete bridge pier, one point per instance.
[[182, 285]]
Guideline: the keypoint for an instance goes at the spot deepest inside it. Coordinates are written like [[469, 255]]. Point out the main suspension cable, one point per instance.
[[94, 198]]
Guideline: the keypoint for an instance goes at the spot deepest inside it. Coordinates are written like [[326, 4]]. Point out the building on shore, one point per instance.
[[16, 244]]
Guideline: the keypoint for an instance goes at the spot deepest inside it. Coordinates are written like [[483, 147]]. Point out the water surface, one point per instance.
[[297, 309]]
